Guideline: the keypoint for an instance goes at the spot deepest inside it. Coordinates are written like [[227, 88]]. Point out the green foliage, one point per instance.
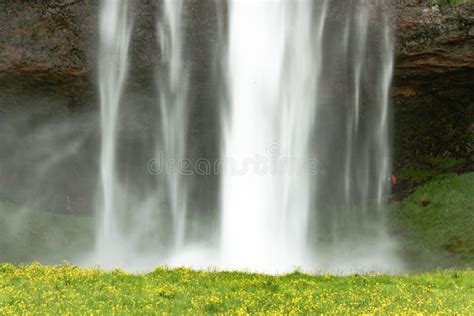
[[430, 167], [444, 163], [436, 222], [416, 175], [452, 2], [41, 290], [448, 3]]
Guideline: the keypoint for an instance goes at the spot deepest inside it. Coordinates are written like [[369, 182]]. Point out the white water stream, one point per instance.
[[307, 125]]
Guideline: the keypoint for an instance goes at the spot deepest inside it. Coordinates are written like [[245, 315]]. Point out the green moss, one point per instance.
[[429, 167], [444, 163], [444, 4], [451, 2], [416, 175], [436, 222]]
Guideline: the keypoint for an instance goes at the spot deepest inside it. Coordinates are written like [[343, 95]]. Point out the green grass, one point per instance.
[[417, 175], [436, 222], [434, 225], [70, 290], [429, 167]]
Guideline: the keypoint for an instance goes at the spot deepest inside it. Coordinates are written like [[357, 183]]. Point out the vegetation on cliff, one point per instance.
[[435, 223]]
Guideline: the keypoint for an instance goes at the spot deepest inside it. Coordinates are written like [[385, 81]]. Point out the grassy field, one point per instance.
[[434, 225], [66, 289]]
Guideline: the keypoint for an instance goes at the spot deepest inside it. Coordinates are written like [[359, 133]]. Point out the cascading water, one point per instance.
[[305, 120], [272, 74], [299, 73], [134, 224], [352, 140], [173, 86], [115, 31]]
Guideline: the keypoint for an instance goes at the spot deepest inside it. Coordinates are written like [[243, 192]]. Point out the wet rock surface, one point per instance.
[[62, 35], [433, 83], [434, 38]]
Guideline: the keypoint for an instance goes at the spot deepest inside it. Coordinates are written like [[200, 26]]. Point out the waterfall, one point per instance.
[[173, 86], [305, 121], [272, 74], [352, 140], [310, 94], [134, 228], [115, 30]]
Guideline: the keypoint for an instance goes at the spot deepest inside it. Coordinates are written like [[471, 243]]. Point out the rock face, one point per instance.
[[48, 35], [62, 34], [434, 75], [435, 38], [434, 82]]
